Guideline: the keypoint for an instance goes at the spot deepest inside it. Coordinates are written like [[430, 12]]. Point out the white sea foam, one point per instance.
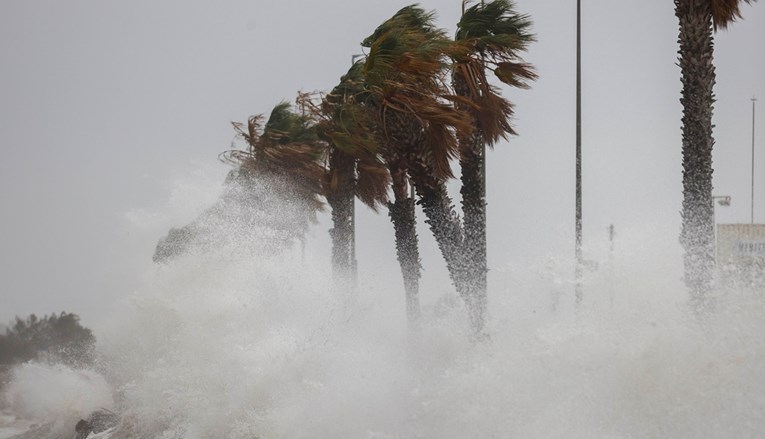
[[258, 345]]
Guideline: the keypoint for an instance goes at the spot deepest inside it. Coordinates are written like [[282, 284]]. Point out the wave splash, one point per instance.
[[241, 342]]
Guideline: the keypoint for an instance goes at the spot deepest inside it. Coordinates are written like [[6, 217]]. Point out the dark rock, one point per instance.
[[98, 421]]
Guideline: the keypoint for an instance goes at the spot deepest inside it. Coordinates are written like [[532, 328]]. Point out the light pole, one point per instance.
[[752, 206], [578, 219]]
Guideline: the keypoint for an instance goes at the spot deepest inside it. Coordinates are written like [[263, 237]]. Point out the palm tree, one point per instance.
[[354, 167], [489, 36], [698, 20], [401, 209], [416, 124], [354, 129]]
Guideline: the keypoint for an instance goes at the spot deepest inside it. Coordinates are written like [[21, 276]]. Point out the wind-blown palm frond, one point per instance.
[[725, 12], [346, 127], [408, 17], [491, 36], [494, 26], [404, 74]]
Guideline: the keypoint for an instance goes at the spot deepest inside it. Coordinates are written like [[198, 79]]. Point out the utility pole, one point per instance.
[[578, 221], [354, 262], [484, 242], [752, 206]]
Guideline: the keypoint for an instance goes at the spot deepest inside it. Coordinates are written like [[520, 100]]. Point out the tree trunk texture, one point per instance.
[[447, 230], [472, 151], [340, 200], [402, 215], [698, 78], [474, 211]]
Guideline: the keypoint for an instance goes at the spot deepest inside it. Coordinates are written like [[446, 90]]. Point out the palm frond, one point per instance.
[[491, 36], [411, 17], [372, 183], [725, 12], [343, 121], [440, 146], [516, 74], [493, 117], [495, 25]]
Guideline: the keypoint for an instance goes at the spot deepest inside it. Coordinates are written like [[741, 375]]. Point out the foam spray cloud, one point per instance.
[[242, 341]]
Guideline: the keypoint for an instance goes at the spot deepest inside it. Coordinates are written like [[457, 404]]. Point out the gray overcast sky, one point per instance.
[[112, 114]]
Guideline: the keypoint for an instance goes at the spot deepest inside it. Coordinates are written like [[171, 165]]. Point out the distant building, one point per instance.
[[741, 253]]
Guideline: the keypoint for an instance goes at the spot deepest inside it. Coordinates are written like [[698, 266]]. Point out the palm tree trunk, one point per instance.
[[474, 211], [340, 200], [402, 215], [472, 161], [447, 230], [698, 78]]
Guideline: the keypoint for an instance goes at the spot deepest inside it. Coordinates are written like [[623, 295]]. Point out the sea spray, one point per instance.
[[240, 341], [261, 346], [56, 394]]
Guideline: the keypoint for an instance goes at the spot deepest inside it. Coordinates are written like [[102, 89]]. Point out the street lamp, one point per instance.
[[754, 100], [578, 186]]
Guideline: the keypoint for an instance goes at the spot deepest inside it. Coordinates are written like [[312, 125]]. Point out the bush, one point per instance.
[[55, 338]]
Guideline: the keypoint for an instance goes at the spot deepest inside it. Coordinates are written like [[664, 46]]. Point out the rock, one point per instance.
[[97, 422]]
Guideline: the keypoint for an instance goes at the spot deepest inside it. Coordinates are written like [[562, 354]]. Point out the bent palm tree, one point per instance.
[[489, 37], [354, 167], [698, 19], [353, 127], [416, 124]]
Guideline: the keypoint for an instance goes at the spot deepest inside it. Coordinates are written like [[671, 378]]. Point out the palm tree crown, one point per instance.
[[491, 36], [404, 79]]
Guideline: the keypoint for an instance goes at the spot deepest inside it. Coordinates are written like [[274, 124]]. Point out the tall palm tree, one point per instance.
[[490, 36], [698, 20], [348, 120], [354, 166], [416, 123], [357, 129]]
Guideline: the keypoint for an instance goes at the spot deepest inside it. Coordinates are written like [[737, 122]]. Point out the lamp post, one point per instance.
[[752, 206], [578, 214]]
